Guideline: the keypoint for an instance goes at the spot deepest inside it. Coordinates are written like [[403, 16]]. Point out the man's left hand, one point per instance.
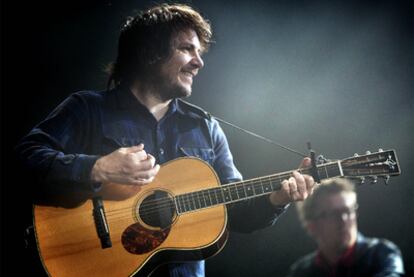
[[296, 188]]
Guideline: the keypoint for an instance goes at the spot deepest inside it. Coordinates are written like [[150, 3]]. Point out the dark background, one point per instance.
[[336, 73]]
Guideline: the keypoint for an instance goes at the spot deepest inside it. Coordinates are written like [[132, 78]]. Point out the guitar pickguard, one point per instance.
[[137, 239]]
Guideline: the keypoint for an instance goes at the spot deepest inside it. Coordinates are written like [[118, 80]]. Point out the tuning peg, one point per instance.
[[362, 180], [386, 179], [380, 150], [374, 179], [368, 152], [356, 155], [322, 160]]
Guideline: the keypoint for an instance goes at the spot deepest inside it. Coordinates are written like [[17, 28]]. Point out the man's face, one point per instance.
[[176, 74], [335, 224]]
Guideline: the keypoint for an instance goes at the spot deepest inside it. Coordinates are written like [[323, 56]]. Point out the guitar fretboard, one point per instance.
[[243, 190]]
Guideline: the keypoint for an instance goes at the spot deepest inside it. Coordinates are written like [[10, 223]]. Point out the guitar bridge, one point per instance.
[[101, 224]]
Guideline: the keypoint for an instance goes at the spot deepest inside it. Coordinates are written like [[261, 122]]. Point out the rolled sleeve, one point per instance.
[[74, 169]]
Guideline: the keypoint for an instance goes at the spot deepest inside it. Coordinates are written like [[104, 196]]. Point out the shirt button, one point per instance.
[[67, 159], [161, 151]]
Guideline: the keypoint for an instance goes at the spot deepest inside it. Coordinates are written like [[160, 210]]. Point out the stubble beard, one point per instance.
[[163, 86], [171, 91], [166, 89]]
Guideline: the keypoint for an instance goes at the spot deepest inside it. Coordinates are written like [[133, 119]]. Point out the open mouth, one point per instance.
[[187, 75]]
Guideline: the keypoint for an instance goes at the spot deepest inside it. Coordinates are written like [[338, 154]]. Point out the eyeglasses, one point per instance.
[[340, 214]]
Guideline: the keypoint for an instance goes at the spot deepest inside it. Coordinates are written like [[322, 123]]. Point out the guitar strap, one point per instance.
[[209, 115], [313, 169]]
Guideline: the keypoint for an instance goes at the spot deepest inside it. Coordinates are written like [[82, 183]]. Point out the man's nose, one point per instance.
[[197, 61]]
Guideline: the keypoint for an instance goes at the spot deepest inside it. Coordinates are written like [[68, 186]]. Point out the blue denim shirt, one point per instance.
[[61, 150]]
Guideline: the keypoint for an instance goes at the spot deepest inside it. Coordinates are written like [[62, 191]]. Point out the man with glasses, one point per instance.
[[330, 218]]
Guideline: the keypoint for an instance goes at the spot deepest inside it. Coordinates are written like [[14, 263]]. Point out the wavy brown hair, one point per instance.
[[145, 40]]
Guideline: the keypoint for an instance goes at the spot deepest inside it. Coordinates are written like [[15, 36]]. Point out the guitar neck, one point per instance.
[[242, 190], [371, 165]]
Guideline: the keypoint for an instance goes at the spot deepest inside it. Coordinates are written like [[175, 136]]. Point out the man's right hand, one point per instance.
[[127, 165]]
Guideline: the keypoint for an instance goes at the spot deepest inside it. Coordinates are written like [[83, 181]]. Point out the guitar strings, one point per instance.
[[236, 185], [153, 206], [190, 201], [166, 202]]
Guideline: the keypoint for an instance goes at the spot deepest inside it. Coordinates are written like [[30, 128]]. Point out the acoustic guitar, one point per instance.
[[180, 216]]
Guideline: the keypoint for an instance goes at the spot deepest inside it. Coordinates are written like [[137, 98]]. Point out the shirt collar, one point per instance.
[[346, 260], [179, 108], [127, 101]]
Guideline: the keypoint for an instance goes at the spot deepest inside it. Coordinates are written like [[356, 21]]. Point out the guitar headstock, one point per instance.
[[372, 165]]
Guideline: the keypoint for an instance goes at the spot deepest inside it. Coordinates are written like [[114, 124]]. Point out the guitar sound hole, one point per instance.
[[157, 210]]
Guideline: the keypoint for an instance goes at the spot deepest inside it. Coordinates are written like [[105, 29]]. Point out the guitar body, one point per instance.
[[69, 245], [180, 216]]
